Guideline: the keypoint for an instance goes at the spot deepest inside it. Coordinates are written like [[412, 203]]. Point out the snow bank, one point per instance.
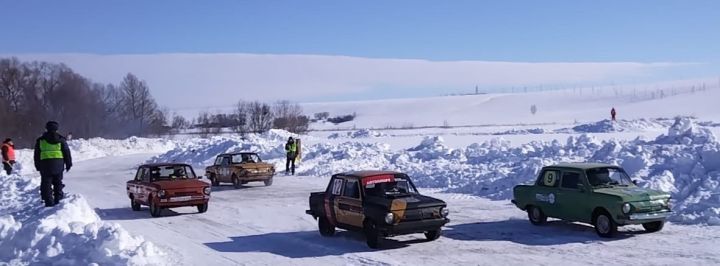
[[362, 133], [684, 162], [68, 234], [87, 149], [201, 152]]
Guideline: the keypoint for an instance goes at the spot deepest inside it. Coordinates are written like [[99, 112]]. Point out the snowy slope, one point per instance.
[[553, 107]]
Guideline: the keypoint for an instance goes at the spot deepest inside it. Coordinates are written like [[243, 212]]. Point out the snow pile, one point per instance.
[[362, 133], [202, 152], [85, 149], [68, 234], [605, 126], [684, 162]]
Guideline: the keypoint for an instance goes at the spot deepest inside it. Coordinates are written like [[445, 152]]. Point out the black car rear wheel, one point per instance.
[[372, 235], [135, 205], [202, 208], [433, 235], [325, 227], [653, 227]]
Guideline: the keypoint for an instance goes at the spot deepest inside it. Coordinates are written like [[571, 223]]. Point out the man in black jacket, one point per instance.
[[52, 156]]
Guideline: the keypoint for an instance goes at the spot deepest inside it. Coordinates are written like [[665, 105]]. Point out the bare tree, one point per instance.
[[260, 117], [289, 116]]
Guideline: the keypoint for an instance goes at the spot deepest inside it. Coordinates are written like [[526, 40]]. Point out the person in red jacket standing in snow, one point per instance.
[[613, 113], [8, 155]]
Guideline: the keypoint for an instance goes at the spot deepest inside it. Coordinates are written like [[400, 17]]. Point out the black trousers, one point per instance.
[[8, 166], [290, 164], [51, 188]]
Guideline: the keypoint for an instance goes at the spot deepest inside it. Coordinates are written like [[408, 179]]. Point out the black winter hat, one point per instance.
[[7, 140], [52, 126]]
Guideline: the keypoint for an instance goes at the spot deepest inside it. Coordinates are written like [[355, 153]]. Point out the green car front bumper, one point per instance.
[[646, 217]]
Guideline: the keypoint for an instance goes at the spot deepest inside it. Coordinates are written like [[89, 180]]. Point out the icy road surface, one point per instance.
[[259, 225]]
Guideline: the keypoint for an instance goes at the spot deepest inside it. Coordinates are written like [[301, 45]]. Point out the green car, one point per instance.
[[599, 194]]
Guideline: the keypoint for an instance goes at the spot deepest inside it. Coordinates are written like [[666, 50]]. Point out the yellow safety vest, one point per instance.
[[50, 151]]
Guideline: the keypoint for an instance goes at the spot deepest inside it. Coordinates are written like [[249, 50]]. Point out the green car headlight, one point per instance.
[[626, 208]]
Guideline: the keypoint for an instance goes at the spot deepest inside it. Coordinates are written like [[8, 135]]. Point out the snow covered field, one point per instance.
[[473, 168]]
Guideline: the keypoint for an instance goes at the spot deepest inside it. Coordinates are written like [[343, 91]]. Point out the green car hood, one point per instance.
[[633, 193]]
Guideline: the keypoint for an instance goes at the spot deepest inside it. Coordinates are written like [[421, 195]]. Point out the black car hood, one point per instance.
[[414, 201]]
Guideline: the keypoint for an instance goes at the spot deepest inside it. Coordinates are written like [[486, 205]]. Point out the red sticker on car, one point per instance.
[[378, 179]]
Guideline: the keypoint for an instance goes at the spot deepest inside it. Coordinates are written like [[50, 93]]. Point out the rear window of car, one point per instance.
[[171, 172]]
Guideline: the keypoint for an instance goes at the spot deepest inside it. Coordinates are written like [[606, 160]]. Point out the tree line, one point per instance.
[[31, 93], [252, 117]]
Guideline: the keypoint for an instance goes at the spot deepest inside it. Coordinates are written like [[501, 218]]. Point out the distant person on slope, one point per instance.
[[52, 156], [613, 113], [291, 152], [8, 155]]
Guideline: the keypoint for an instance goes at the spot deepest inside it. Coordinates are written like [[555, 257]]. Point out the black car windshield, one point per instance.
[[392, 188], [608, 176], [171, 172]]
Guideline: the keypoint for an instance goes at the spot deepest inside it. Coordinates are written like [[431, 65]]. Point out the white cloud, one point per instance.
[[203, 80]]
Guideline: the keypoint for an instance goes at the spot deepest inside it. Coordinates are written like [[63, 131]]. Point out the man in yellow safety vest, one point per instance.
[[52, 156]]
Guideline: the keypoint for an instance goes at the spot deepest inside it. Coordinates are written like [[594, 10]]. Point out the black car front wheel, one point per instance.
[[433, 235], [325, 227], [268, 182], [372, 235], [654, 226]]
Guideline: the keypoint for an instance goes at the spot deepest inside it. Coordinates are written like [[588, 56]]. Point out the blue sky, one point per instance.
[[514, 31], [534, 31]]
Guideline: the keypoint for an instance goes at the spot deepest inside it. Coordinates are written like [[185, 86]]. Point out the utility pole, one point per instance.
[[476, 90]]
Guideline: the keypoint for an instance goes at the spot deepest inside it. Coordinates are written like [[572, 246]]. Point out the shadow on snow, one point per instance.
[[126, 213], [522, 232], [305, 244]]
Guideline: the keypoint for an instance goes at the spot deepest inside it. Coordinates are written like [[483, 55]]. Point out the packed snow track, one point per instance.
[[258, 225]]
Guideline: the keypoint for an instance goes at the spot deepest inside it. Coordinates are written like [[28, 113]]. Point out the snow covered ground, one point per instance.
[[489, 144]]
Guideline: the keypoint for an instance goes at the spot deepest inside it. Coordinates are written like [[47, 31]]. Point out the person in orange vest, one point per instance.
[[8, 155], [613, 113]]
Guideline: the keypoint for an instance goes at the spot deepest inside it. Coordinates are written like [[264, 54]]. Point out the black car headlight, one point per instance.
[[389, 218], [444, 211]]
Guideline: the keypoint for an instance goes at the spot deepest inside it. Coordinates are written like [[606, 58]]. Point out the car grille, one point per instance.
[[421, 214], [186, 193]]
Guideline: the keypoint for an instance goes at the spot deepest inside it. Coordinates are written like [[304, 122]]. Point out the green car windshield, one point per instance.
[[608, 176]]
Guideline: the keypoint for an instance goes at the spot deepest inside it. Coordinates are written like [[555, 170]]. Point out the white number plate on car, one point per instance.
[[185, 198]]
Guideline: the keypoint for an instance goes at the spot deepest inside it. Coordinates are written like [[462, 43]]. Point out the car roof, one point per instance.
[[367, 173], [583, 166], [236, 153], [162, 164]]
